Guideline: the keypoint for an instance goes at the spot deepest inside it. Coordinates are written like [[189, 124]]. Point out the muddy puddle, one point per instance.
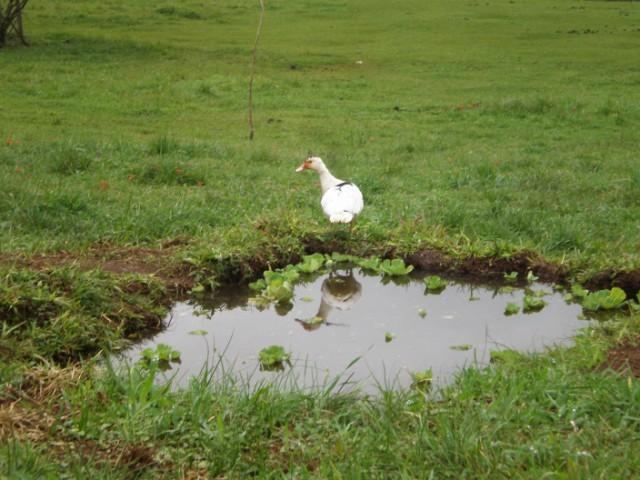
[[392, 328]]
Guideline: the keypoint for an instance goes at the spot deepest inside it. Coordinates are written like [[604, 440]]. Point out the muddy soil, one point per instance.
[[624, 358]]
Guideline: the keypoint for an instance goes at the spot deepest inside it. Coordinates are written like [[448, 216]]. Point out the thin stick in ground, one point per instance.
[[253, 70]]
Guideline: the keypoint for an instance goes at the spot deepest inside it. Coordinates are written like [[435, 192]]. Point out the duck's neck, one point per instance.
[[327, 180]]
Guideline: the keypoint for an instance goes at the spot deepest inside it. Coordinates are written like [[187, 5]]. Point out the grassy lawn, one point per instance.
[[477, 129]]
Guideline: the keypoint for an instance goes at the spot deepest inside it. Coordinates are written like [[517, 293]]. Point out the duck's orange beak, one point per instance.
[[304, 166]]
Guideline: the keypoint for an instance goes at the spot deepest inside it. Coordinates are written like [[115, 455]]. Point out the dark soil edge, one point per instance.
[[179, 277]]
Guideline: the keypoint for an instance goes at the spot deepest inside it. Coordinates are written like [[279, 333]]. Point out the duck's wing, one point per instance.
[[342, 202]]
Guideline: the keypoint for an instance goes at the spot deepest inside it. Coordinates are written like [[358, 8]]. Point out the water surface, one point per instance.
[[345, 315]]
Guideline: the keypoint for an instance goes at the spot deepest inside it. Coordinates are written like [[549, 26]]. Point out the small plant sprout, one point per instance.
[[531, 303], [434, 283], [511, 308], [388, 336], [461, 348], [273, 358], [511, 277], [531, 277], [422, 380], [198, 332], [162, 356], [422, 312]]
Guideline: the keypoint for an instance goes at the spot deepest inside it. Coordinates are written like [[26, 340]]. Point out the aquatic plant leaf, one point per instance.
[[258, 285], [279, 290], [422, 312], [579, 292], [273, 356], [198, 288], [162, 352], [395, 267], [434, 283], [462, 348], [371, 263], [511, 277], [506, 289], [604, 299], [311, 263], [198, 332], [342, 258], [306, 298], [531, 303], [531, 277], [388, 336], [511, 308]]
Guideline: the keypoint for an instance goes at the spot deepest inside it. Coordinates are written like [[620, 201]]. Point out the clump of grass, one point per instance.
[[163, 145], [66, 314], [69, 158], [179, 12], [521, 108], [168, 171]]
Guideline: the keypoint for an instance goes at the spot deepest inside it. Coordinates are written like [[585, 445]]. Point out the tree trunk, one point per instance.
[[11, 20]]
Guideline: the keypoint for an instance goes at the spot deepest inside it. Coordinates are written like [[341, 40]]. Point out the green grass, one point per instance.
[[477, 128], [492, 120], [546, 415]]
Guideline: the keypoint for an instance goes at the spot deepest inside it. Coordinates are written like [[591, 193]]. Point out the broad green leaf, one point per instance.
[[531, 303], [434, 283], [511, 309]]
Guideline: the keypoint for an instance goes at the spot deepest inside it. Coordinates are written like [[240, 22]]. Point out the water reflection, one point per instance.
[[229, 330], [338, 291]]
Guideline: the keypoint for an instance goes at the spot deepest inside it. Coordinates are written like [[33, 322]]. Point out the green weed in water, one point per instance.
[[511, 277], [273, 358], [532, 303], [511, 308], [604, 299], [461, 348], [311, 263], [162, 357], [435, 284], [395, 267]]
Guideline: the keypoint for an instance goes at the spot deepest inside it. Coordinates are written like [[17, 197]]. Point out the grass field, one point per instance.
[[474, 128]]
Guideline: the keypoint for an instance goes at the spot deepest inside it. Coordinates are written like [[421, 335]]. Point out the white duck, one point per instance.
[[341, 201]]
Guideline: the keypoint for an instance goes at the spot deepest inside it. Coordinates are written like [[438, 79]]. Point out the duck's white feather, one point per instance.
[[341, 203]]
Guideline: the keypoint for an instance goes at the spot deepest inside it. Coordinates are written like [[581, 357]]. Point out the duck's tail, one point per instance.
[[342, 217]]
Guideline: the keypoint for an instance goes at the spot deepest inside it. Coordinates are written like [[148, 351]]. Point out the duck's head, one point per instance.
[[311, 163]]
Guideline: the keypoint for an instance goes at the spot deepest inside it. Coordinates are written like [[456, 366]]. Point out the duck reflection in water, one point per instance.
[[340, 292]]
